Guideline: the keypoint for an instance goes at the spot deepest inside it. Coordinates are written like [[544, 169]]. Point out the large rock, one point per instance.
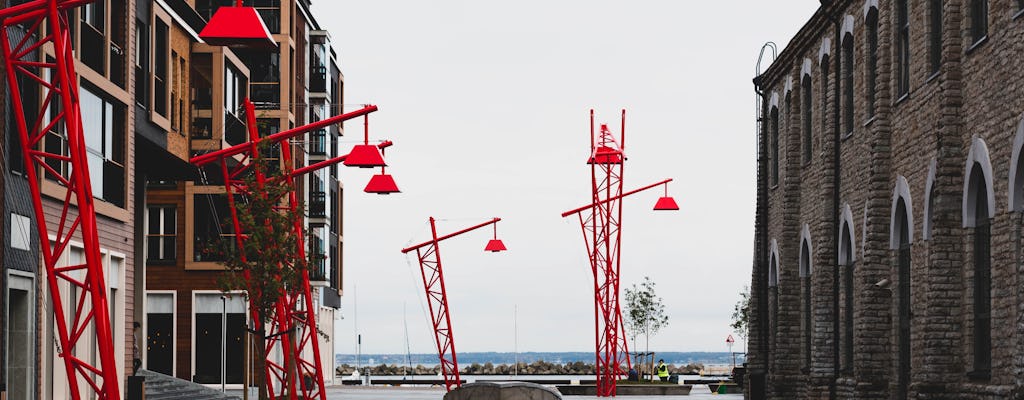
[[502, 391]]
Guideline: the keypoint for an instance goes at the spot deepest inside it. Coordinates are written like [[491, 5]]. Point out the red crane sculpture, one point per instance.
[[85, 321], [292, 330], [429, 256], [601, 222]]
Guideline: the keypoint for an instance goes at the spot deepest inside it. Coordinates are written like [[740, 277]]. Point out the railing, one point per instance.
[[117, 65], [318, 79], [265, 96], [318, 204], [318, 142], [91, 50]]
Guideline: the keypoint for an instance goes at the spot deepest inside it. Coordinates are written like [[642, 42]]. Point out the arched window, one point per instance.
[[847, 59], [846, 264], [775, 145], [935, 35], [871, 59], [902, 47], [807, 324], [979, 20], [773, 293], [982, 287], [903, 297], [805, 112]]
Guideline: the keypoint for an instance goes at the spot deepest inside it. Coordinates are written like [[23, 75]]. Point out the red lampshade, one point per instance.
[[606, 155], [365, 156], [666, 203], [237, 27], [382, 184], [494, 246]]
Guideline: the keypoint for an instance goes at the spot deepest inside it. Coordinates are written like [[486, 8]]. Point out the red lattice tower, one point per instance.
[[86, 319], [429, 256], [601, 223], [291, 330]]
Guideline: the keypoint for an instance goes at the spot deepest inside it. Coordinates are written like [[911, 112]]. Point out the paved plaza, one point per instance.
[[436, 393]]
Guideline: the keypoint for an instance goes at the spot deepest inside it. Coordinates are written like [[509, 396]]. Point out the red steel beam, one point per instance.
[[235, 150], [613, 198], [450, 235]]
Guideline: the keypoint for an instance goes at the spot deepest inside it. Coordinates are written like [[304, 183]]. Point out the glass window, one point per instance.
[[774, 157], [805, 112], [902, 47], [871, 66], [161, 56], [141, 55], [979, 20], [935, 39], [104, 140], [982, 239], [161, 233], [848, 84]]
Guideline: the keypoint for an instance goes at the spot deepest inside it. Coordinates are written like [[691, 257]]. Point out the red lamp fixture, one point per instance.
[[666, 202], [237, 26], [495, 245], [365, 155], [382, 183]]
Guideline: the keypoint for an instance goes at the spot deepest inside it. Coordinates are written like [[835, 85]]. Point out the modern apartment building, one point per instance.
[[153, 95]]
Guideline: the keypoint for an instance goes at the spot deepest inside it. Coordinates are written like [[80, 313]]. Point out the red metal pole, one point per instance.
[[87, 279], [437, 299], [207, 158], [450, 235], [631, 192]]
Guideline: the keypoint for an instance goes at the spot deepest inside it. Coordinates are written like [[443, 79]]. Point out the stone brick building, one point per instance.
[[889, 212]]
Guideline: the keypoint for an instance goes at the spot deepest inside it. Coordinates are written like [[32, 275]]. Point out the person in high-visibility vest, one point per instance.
[[662, 370]]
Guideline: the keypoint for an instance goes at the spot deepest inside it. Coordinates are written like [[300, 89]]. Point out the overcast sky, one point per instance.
[[487, 103]]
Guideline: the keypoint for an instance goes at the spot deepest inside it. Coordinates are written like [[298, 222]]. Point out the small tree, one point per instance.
[[741, 315], [268, 253], [645, 313]]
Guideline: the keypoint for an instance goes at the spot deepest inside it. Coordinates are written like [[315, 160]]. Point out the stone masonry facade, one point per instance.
[[909, 284]]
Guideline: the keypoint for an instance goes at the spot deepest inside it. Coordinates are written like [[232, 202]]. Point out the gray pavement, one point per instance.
[[437, 393]]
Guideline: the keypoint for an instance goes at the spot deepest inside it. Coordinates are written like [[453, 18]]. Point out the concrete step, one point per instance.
[[163, 387]]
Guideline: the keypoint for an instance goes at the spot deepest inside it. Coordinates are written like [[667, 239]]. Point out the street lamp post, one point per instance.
[[223, 343]]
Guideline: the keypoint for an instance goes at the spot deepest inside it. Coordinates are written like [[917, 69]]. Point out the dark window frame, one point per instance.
[[774, 156], [935, 36], [979, 21], [806, 113], [871, 61], [902, 48], [982, 280], [848, 83]]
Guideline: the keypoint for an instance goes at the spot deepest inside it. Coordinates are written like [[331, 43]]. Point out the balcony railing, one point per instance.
[[318, 205], [318, 79], [117, 64], [265, 96], [234, 130], [92, 48]]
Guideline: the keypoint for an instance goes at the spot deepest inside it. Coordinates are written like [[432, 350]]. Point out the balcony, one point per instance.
[[318, 79], [234, 130], [318, 143], [265, 96], [92, 48], [318, 205]]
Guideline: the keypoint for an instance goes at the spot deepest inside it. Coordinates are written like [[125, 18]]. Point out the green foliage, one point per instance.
[[269, 253], [741, 314], [645, 312]]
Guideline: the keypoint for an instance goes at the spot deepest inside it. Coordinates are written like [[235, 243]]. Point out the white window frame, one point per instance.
[[174, 329]]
